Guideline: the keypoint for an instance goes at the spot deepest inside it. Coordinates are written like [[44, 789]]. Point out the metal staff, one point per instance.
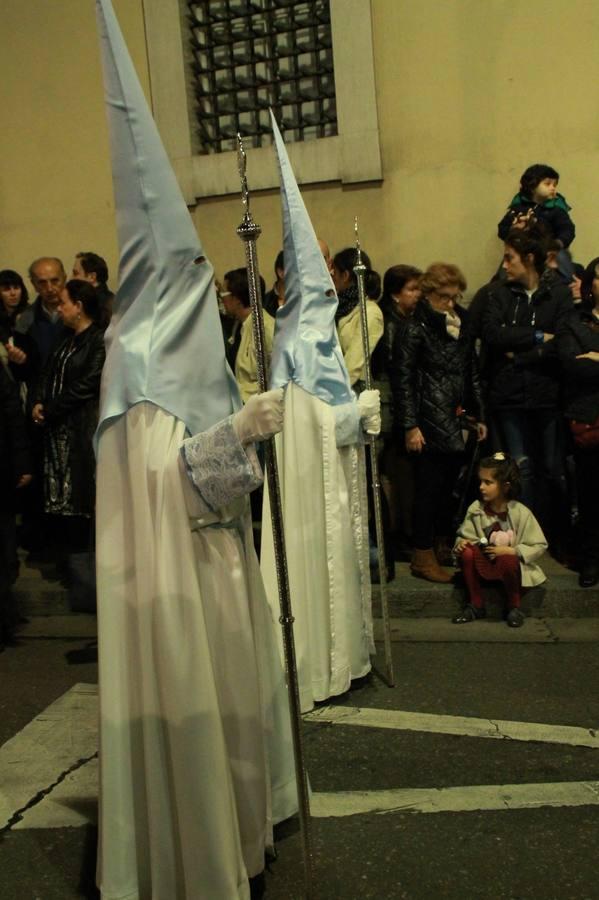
[[249, 232], [360, 272]]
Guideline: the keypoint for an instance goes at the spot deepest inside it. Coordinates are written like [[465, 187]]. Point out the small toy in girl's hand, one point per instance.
[[502, 538]]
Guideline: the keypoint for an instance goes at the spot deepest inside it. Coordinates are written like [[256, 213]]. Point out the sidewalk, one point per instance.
[[559, 597]]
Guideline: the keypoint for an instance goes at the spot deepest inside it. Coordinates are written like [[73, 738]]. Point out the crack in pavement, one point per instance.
[[18, 815]]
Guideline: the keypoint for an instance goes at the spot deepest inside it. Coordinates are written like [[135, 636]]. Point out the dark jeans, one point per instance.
[[535, 439], [587, 480], [435, 477], [397, 475]]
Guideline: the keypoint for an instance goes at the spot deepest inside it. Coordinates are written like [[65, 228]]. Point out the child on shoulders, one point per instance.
[[499, 540], [539, 200]]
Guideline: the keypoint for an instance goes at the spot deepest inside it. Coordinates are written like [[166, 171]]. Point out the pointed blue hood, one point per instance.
[[306, 347], [164, 343]]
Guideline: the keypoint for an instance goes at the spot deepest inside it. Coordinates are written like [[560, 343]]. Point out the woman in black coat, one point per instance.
[[434, 380], [578, 347], [66, 406], [401, 292]]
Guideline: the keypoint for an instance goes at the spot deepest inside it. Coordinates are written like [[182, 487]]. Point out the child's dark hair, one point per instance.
[[533, 177], [506, 472]]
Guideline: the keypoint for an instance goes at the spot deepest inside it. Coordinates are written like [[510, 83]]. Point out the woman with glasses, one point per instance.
[[65, 409], [434, 379]]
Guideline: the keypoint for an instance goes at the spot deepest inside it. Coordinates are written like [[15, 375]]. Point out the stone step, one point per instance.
[[40, 593], [560, 595], [39, 590]]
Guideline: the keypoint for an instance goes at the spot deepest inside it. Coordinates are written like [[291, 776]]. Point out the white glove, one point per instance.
[[260, 418], [369, 408]]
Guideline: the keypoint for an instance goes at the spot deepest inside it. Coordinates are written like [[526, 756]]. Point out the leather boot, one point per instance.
[[424, 565]]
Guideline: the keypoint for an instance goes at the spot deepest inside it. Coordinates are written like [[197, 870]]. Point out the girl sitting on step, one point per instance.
[[498, 541]]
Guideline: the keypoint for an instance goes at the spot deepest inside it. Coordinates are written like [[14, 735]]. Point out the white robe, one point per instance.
[[323, 490], [194, 723]]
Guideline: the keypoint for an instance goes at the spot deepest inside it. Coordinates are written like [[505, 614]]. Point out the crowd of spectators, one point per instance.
[[52, 354], [517, 371]]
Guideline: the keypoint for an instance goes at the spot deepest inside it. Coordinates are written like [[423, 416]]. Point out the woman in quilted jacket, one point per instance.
[[435, 383]]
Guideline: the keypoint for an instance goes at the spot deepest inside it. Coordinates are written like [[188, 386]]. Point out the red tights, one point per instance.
[[478, 568]]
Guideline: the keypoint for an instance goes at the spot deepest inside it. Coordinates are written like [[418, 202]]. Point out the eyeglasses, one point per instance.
[[448, 297]]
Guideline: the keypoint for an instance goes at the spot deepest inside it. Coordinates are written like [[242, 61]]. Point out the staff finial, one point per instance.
[[242, 166], [358, 247]]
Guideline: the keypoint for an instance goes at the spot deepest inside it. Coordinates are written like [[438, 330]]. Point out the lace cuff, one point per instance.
[[348, 425], [219, 466]]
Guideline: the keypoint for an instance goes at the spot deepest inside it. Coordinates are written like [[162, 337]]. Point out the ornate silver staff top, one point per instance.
[[248, 230]]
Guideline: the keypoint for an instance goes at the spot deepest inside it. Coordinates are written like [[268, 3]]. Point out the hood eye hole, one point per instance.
[[330, 292], [199, 260]]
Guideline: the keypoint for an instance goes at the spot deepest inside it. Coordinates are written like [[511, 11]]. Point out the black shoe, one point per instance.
[[515, 618], [257, 886], [589, 574], [469, 614]]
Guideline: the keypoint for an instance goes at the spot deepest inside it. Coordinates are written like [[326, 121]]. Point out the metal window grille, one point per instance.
[[252, 54]]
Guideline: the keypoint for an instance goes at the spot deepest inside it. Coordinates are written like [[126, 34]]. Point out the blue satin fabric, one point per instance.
[[164, 343], [306, 347]]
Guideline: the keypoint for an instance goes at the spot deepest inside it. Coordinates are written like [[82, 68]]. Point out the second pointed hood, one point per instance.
[[165, 342], [306, 347]]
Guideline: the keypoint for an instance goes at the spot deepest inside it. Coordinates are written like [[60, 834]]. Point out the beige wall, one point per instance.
[[469, 93], [55, 181]]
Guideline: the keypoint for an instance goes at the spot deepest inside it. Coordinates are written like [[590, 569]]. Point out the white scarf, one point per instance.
[[452, 324]]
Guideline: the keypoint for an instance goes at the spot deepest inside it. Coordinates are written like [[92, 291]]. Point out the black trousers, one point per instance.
[[8, 547], [435, 476], [587, 481]]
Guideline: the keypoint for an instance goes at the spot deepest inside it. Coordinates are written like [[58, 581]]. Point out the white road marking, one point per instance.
[[66, 732], [34, 758], [497, 729], [456, 799]]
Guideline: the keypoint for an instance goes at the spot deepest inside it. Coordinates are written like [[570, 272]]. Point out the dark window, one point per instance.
[[252, 54]]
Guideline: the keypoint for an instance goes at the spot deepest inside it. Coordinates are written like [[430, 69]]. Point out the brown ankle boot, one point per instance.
[[424, 565]]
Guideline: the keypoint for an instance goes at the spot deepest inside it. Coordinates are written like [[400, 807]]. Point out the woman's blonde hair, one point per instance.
[[440, 275]]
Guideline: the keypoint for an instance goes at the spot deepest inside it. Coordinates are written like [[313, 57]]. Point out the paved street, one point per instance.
[[477, 776]]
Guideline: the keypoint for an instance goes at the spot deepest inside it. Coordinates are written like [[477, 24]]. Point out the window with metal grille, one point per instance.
[[249, 55]]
